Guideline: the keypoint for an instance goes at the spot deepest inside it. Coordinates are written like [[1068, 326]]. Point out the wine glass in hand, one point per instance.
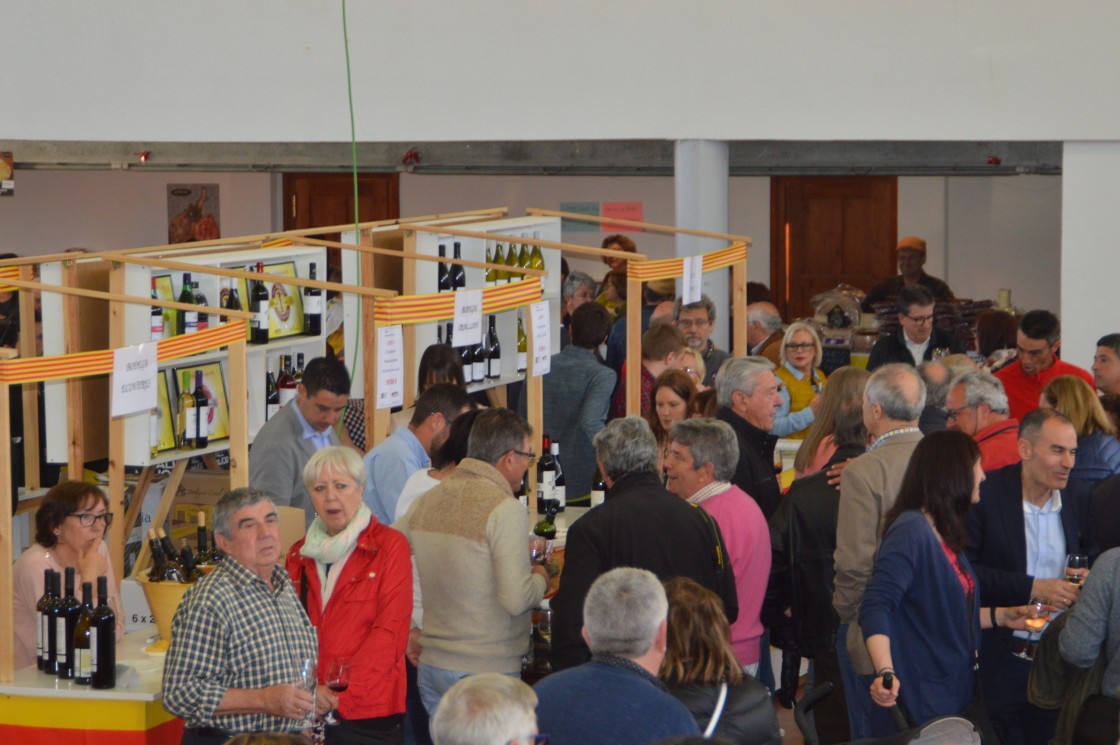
[[306, 680], [1036, 620], [338, 680], [1077, 567]]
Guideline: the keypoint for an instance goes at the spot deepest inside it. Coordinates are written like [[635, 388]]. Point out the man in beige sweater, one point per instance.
[[469, 536]]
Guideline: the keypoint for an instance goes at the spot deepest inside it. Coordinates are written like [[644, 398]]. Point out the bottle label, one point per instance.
[[286, 395], [41, 634], [83, 667], [546, 487], [522, 361], [479, 370], [597, 497], [524, 500], [271, 410], [489, 283], [92, 650], [157, 327], [192, 426], [560, 495], [60, 636], [468, 374], [203, 429], [312, 305], [190, 321], [496, 368], [203, 321], [260, 317]]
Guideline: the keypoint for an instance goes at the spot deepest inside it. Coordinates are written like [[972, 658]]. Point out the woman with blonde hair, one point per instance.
[[845, 384], [802, 381], [1098, 452], [700, 669]]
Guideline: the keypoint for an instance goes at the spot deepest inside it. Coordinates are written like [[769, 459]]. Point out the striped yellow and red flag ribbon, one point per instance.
[[409, 309], [8, 272], [673, 268], [100, 362]]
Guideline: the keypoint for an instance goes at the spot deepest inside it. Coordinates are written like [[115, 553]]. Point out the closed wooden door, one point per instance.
[[829, 230]]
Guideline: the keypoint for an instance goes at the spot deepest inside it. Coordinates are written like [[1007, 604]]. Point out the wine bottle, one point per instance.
[[103, 640], [467, 353], [186, 320], [201, 412], [501, 277], [491, 272], [523, 257], [443, 283], [191, 572], [536, 258], [522, 347], [41, 618], [174, 571], [447, 335], [458, 271], [271, 396], [200, 300], [561, 489], [258, 306], [439, 335], [298, 374], [208, 556], [511, 261], [546, 526], [186, 423], [522, 492], [65, 621], [286, 382], [546, 477], [82, 656], [479, 360], [312, 308], [598, 488], [159, 561], [157, 315], [51, 642], [494, 354], [233, 299]]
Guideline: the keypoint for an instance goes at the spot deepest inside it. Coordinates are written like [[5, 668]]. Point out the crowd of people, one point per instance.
[[927, 536]]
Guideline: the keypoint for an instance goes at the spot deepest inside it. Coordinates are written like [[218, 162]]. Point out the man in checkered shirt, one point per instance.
[[239, 634]]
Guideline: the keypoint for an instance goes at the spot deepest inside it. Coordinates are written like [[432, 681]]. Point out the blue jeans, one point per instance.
[[434, 681], [764, 673], [865, 718]]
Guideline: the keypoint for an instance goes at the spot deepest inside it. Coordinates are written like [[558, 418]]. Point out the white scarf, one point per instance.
[[333, 549]]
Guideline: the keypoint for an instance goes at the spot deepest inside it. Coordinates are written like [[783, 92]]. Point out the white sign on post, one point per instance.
[[390, 367], [468, 317], [693, 279], [542, 338], [134, 379]]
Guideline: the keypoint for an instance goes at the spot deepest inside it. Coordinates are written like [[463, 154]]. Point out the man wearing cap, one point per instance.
[[911, 259]]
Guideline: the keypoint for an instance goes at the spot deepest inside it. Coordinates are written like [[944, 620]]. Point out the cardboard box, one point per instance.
[[198, 492]]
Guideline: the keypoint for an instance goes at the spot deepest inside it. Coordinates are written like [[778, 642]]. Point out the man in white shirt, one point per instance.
[[916, 338]]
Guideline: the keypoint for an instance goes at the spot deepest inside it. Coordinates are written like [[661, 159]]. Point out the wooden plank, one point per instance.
[[137, 502], [237, 370], [162, 510], [633, 380], [28, 347], [71, 345], [7, 587], [648, 227], [498, 396], [535, 415], [118, 530], [739, 346], [366, 333]]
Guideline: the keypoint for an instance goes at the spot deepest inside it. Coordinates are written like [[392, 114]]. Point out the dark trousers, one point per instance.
[[382, 731], [204, 736], [416, 730], [831, 714], [1016, 721]]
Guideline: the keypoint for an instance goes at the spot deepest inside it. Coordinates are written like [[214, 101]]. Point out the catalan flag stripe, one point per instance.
[[410, 309], [673, 268], [9, 272]]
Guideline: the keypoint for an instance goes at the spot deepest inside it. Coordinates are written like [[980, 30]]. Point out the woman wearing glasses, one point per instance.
[[802, 381], [70, 529]]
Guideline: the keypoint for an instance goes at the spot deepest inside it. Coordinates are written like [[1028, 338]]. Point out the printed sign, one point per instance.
[[468, 317], [542, 338], [390, 367], [134, 379]]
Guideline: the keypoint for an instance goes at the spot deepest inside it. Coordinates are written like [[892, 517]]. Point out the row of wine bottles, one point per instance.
[[189, 321], [483, 361], [453, 277], [193, 418], [75, 640], [280, 389], [183, 566]]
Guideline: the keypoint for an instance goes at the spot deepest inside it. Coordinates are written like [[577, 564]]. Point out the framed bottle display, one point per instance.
[[217, 416]]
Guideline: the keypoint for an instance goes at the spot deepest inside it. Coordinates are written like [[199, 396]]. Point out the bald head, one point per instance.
[[763, 320]]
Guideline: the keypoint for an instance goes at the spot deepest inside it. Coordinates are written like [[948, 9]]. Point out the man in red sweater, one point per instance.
[[977, 406], [1039, 337]]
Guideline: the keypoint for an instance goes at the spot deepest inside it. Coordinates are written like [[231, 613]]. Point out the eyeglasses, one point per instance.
[[795, 346], [530, 455], [921, 320], [952, 414], [688, 323], [88, 519]]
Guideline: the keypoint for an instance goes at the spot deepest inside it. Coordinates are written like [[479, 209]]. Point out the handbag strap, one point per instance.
[[714, 721]]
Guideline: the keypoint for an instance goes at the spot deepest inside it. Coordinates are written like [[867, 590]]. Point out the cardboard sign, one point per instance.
[[390, 367], [693, 280], [542, 338], [134, 380], [468, 317]]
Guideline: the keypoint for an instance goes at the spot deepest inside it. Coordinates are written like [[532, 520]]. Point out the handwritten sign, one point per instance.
[[693, 279], [134, 379], [390, 367], [468, 317], [542, 338], [622, 211]]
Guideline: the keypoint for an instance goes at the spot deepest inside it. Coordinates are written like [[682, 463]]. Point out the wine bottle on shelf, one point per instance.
[[598, 488], [479, 360], [466, 352], [546, 477], [186, 320], [286, 382], [500, 275], [522, 347], [546, 526], [201, 412], [511, 261], [491, 272], [536, 258], [207, 557], [51, 644], [522, 492], [560, 484], [65, 621], [82, 655], [186, 423], [312, 308], [439, 335], [443, 283], [103, 640], [157, 315], [271, 396], [258, 306], [41, 618], [524, 257], [200, 300], [447, 335], [191, 572], [298, 374], [174, 571], [458, 271], [494, 353], [233, 299]]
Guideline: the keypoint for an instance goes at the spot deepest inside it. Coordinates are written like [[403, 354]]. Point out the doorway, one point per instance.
[[828, 230]]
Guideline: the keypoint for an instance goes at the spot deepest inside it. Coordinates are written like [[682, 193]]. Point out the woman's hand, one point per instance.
[[91, 564], [883, 696]]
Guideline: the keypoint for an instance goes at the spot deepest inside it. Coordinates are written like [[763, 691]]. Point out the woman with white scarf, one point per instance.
[[354, 577]]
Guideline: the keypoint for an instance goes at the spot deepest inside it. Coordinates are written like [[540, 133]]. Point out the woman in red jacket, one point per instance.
[[354, 577]]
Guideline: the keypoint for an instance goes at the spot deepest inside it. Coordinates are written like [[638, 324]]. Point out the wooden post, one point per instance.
[[377, 420], [633, 382], [118, 530], [533, 397], [7, 589], [237, 370], [739, 346], [71, 315], [28, 348]]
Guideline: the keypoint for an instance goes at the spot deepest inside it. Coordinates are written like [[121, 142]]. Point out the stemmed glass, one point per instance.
[[306, 672], [1036, 621], [1075, 563], [338, 680]]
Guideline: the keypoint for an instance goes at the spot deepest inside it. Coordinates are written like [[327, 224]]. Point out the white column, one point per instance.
[[700, 181], [1090, 241]]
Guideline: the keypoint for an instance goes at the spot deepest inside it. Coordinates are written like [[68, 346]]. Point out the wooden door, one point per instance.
[[829, 230], [313, 200]]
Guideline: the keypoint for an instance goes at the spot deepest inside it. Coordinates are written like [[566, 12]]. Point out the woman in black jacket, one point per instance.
[[699, 665]]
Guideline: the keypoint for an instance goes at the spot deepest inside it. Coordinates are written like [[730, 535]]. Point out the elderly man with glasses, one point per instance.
[[917, 338], [977, 405]]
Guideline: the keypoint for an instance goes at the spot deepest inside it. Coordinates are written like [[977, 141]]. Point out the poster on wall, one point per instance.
[[7, 174], [193, 213]]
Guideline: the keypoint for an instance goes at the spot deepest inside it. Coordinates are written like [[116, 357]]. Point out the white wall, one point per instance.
[[274, 70], [101, 210]]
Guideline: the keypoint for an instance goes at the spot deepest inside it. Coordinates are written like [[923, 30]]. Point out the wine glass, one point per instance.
[[539, 549], [1075, 564], [306, 672], [1036, 621], [338, 680]]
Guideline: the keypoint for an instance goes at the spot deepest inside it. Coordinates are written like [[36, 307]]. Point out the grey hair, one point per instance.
[[709, 441], [622, 612], [739, 374], [338, 459], [937, 388], [232, 501], [626, 445], [1033, 422], [496, 432], [983, 388], [887, 387], [485, 709], [768, 319], [575, 281], [705, 303]]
